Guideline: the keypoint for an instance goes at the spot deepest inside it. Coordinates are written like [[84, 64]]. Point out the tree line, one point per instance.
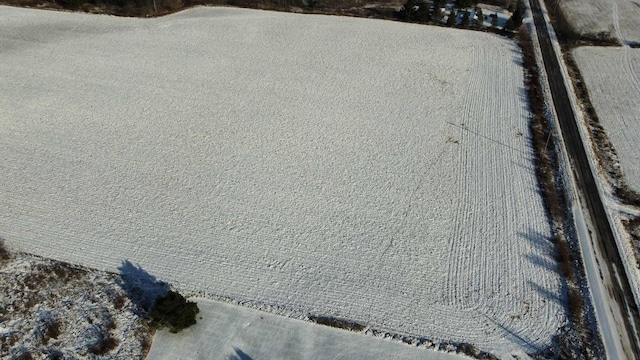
[[432, 13]]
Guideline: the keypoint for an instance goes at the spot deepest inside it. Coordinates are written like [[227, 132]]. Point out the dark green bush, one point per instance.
[[515, 21], [4, 253], [174, 312]]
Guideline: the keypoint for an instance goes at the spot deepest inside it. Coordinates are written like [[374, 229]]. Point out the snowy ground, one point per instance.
[[615, 18], [226, 331], [612, 76], [50, 310], [364, 169]]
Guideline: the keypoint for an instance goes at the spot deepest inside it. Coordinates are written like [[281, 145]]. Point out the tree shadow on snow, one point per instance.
[[141, 287], [542, 262], [544, 252], [545, 257], [547, 294], [240, 355], [513, 335]]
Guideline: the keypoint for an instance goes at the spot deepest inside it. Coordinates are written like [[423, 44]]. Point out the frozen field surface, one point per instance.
[[619, 19], [612, 76], [235, 332], [363, 169]]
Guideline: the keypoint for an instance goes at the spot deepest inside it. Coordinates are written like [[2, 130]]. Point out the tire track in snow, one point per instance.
[[468, 254], [628, 65], [410, 202], [630, 69], [615, 13], [471, 275], [457, 261]]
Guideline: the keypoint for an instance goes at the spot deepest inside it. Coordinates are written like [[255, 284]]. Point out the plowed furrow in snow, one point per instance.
[[488, 150], [632, 69]]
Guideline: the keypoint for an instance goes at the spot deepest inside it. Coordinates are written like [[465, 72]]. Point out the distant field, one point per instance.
[[612, 76], [618, 19], [364, 169]]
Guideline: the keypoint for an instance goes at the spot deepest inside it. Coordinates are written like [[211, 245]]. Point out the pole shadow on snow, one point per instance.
[[537, 239], [547, 294], [141, 287], [544, 246], [487, 138], [542, 262], [239, 355], [509, 333]]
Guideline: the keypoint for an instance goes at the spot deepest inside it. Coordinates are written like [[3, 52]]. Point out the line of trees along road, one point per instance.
[[431, 13]]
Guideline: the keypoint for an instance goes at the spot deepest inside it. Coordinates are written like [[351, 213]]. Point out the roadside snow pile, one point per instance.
[[57, 311], [308, 165]]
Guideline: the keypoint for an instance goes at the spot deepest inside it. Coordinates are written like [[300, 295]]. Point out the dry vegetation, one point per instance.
[[459, 348], [380, 9], [633, 228], [56, 310], [149, 8], [5, 256]]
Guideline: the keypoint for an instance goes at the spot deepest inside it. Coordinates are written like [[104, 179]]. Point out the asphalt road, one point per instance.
[[603, 237]]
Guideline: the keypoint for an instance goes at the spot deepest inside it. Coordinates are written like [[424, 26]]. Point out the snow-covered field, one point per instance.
[[226, 331], [363, 169], [612, 76], [618, 19]]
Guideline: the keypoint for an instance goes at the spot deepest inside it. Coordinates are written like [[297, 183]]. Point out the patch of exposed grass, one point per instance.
[[337, 323], [5, 255], [633, 229], [460, 348], [104, 346], [56, 310]]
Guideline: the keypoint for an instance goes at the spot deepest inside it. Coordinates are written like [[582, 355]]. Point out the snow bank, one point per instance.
[[363, 169]]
